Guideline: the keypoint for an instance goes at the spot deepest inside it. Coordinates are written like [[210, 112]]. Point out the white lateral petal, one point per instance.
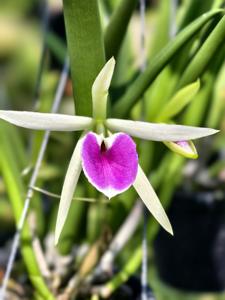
[[151, 200], [45, 121], [158, 131], [70, 182]]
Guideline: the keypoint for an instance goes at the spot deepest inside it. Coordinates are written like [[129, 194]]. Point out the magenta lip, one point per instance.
[[111, 170]]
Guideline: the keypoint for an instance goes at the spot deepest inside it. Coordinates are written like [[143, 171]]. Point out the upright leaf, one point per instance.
[[139, 86], [204, 55], [86, 49], [117, 27], [179, 101]]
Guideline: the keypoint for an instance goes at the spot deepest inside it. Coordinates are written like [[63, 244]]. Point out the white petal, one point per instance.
[[70, 182], [151, 200], [100, 89], [45, 121], [157, 131]]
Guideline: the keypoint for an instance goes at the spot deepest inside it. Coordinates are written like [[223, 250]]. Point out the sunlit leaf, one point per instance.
[[205, 54], [180, 100], [139, 86]]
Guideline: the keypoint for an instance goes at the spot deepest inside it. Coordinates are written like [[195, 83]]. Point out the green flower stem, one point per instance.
[[204, 55], [73, 229], [15, 189], [117, 27], [44, 105], [139, 86], [132, 265], [130, 268], [86, 49]]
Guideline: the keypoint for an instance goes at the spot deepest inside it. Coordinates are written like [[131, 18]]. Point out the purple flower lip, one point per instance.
[[110, 164]]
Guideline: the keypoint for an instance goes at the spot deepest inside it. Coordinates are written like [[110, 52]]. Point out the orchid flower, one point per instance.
[[106, 152]]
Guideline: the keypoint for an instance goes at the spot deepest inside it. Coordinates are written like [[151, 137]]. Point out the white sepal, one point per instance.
[[100, 89], [70, 182], [158, 131], [151, 200], [45, 121]]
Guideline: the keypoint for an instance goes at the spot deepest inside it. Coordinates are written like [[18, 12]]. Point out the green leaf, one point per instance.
[[217, 4], [139, 86], [204, 55], [217, 105], [161, 32], [203, 103], [181, 99], [117, 27], [192, 9], [15, 189], [56, 45], [86, 49]]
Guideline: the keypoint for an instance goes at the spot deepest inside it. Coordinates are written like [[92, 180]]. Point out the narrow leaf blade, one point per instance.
[[181, 99], [117, 27], [141, 84], [86, 49], [205, 54]]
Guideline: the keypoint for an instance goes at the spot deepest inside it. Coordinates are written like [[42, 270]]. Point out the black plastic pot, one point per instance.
[[194, 259]]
